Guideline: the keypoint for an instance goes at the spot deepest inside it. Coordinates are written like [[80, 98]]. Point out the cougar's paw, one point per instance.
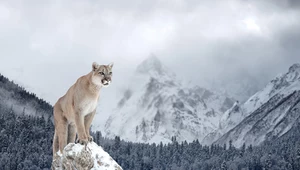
[[83, 141], [91, 139]]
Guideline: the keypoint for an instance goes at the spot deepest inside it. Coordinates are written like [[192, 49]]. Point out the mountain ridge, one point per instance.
[[274, 103], [158, 107]]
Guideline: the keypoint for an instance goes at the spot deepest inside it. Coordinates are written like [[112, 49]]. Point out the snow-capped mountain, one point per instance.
[[269, 113], [156, 107]]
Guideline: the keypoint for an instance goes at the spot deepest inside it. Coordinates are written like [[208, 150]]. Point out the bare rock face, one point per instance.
[[80, 157]]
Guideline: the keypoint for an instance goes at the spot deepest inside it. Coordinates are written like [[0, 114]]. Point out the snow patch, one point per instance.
[[91, 156]]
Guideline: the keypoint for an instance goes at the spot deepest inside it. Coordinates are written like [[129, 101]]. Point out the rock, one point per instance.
[[80, 157]]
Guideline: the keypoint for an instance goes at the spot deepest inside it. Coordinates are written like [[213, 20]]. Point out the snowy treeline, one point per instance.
[[26, 141]]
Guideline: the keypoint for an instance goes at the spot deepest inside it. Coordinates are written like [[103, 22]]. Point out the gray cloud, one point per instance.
[[46, 45]]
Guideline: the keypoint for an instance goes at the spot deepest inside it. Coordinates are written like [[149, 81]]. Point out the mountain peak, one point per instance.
[[295, 68], [151, 64]]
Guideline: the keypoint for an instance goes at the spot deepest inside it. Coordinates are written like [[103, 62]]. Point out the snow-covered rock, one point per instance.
[[157, 106], [269, 113], [89, 157]]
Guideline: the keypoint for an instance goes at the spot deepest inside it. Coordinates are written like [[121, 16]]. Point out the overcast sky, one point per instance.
[[46, 45]]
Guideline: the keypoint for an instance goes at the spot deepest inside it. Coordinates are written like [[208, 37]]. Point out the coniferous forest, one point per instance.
[[26, 143]]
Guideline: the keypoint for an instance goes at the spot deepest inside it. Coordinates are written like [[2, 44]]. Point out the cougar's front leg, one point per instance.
[[87, 123], [79, 121]]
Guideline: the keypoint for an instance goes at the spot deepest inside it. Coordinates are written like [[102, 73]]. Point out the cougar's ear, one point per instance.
[[95, 66], [111, 65]]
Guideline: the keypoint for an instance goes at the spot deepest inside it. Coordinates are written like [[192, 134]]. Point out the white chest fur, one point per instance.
[[87, 106]]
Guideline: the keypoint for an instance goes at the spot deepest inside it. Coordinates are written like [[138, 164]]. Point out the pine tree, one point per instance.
[[98, 137], [268, 165], [224, 166], [230, 145], [250, 148], [298, 158], [243, 149], [117, 143]]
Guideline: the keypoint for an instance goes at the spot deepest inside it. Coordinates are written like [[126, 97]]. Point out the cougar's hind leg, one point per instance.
[[62, 135], [55, 146], [61, 128]]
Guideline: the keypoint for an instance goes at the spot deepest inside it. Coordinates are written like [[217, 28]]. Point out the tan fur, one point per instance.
[[74, 112]]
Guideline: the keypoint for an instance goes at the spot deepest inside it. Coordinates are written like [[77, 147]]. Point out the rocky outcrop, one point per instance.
[[80, 157]]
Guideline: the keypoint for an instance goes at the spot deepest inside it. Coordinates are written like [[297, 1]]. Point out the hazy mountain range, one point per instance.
[[158, 106]]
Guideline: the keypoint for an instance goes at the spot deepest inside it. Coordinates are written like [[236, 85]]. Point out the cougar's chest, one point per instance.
[[88, 105]]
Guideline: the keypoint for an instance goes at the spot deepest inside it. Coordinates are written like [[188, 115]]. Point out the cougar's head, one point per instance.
[[102, 74]]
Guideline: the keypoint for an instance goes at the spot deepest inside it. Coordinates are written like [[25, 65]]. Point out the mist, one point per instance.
[[47, 45]]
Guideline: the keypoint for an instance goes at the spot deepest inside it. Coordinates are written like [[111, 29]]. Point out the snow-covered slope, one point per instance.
[[156, 107], [269, 113]]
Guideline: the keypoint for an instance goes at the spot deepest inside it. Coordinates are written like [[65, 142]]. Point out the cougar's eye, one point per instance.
[[110, 73], [101, 73]]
